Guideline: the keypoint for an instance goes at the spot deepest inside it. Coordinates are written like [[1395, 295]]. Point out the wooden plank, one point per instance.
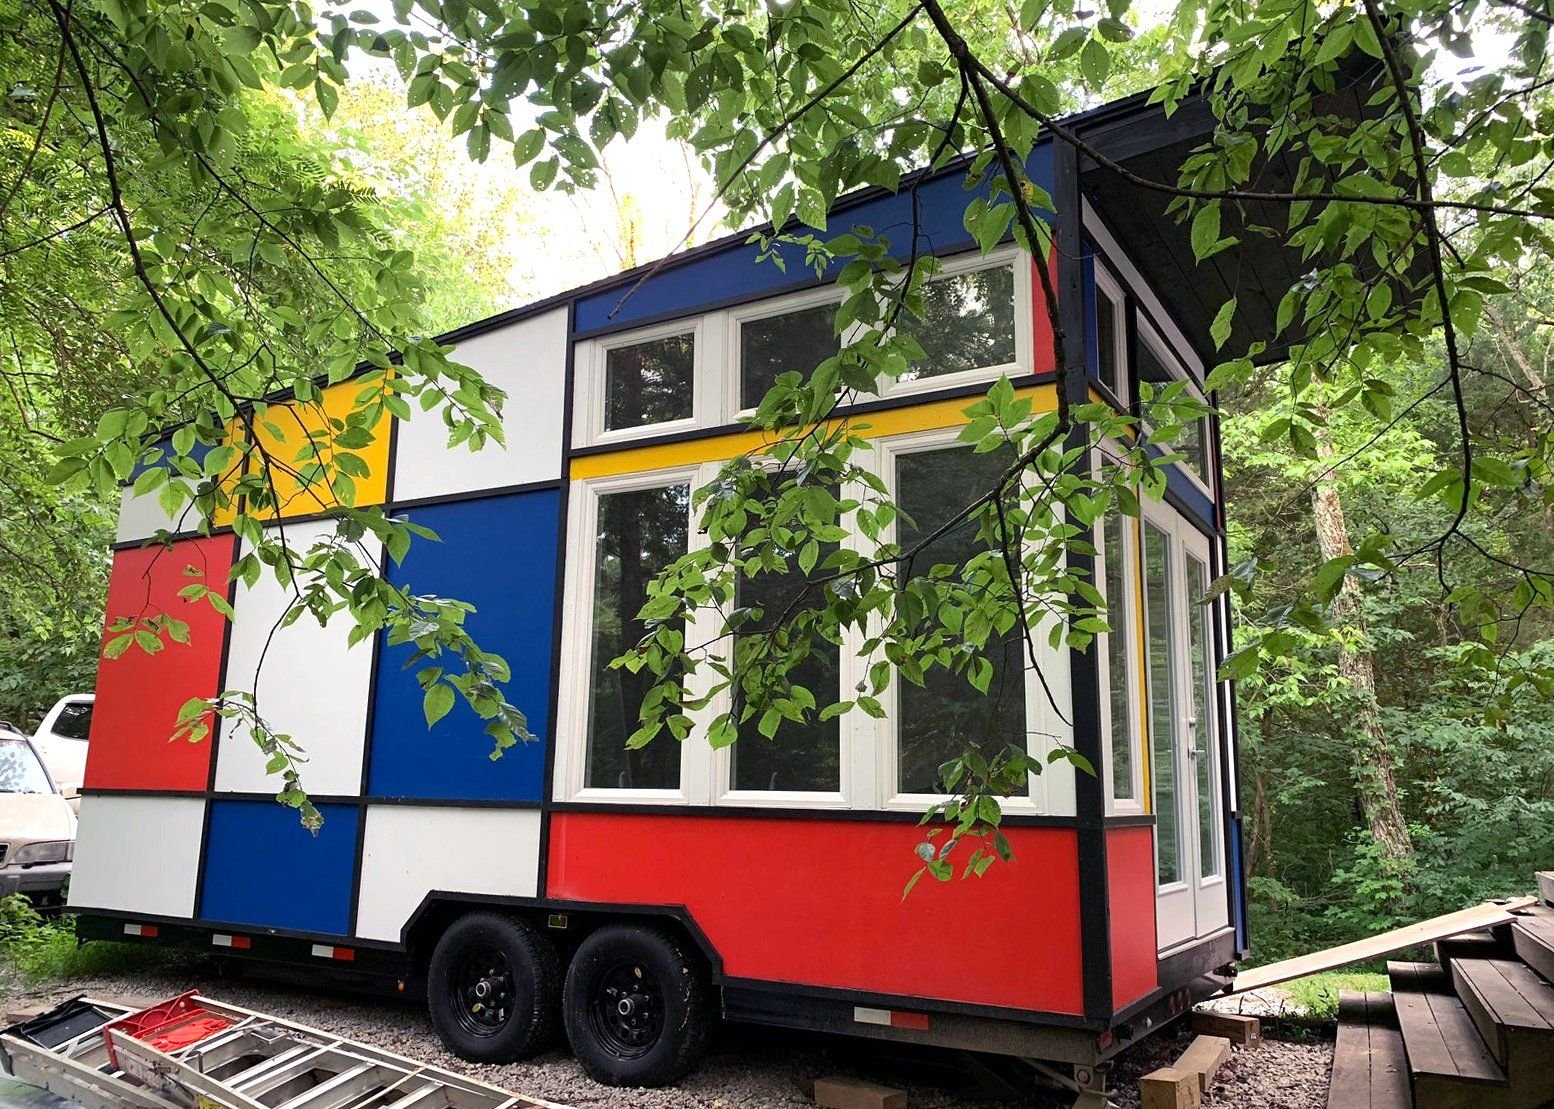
[[1546, 886], [1170, 1088], [836, 1092], [1471, 945], [1238, 1029], [1437, 1031], [1204, 1057], [1421, 934], [1349, 1087], [1533, 937]]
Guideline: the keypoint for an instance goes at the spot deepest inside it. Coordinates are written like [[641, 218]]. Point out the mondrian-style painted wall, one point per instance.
[[406, 810]]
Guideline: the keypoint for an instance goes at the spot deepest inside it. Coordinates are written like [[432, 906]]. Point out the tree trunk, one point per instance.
[[1259, 853], [1374, 781]]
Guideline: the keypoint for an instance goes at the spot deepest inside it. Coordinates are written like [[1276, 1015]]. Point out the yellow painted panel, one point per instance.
[[283, 437], [715, 448]]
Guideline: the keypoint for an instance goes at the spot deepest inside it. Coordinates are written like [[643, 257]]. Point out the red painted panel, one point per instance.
[[139, 695], [1130, 875], [1043, 352], [818, 902]]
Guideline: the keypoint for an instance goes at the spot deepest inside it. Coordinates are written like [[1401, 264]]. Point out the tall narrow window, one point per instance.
[[774, 345], [967, 323], [1194, 440], [1108, 339], [1119, 657], [938, 720], [1159, 605], [805, 756], [640, 532], [1205, 748], [651, 382]]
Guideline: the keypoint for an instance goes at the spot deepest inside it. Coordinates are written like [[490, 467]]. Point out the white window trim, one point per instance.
[[1107, 286], [1022, 364], [733, 354], [1173, 364], [1131, 806], [577, 649], [1051, 791], [1128, 274], [850, 671], [591, 357]]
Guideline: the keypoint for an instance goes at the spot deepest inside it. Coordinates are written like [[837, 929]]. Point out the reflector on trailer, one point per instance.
[[144, 931], [324, 951], [239, 942]]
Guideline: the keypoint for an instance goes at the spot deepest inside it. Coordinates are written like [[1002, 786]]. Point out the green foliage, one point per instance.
[[1317, 996], [35, 948]]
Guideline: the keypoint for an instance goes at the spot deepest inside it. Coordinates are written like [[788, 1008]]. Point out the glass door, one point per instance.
[[1184, 755]]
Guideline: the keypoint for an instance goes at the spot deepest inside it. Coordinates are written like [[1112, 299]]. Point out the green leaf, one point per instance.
[[437, 702]]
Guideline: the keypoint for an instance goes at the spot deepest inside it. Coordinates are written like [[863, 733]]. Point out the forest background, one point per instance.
[[1473, 770]]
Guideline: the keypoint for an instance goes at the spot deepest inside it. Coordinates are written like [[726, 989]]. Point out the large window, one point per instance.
[[1159, 369], [938, 720], [640, 531], [650, 382], [968, 322], [793, 342], [804, 756]]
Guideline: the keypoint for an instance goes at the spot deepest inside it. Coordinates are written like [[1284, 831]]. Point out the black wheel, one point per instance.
[[635, 1006], [494, 989]]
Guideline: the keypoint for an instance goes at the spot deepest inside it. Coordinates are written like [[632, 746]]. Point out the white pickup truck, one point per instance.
[[61, 739]]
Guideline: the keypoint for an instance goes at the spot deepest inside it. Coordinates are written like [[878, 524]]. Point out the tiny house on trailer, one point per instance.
[[632, 896]]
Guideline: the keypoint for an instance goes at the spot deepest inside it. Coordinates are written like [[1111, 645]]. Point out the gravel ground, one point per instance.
[[747, 1067]]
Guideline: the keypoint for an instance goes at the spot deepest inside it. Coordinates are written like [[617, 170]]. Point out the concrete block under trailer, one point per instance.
[[627, 899]]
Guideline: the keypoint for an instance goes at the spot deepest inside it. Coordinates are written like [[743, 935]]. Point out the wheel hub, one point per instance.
[[627, 1011]]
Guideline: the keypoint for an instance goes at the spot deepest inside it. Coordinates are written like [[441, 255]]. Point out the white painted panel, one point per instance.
[[310, 687], [528, 360], [142, 517], [411, 850], [138, 854]]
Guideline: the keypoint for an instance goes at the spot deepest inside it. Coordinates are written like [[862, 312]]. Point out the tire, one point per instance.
[[635, 1006], [482, 961]]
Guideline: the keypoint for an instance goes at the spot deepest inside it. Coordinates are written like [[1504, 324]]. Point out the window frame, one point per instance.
[[731, 374], [973, 262], [592, 357], [1132, 585], [1110, 287], [1052, 792], [574, 682], [1147, 333]]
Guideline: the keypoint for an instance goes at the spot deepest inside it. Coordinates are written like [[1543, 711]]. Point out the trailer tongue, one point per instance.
[[191, 1052]]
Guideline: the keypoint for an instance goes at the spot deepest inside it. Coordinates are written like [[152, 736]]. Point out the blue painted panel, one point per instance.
[[1092, 324], [196, 452], [1238, 887], [733, 272], [498, 554], [263, 868], [1193, 498]]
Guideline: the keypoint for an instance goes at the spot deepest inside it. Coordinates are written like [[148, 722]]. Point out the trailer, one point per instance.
[[628, 898]]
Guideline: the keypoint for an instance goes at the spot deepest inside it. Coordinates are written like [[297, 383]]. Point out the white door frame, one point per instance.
[[1193, 902]]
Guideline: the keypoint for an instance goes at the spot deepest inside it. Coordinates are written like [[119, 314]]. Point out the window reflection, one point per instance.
[[940, 719], [793, 342], [967, 323], [651, 382], [640, 533]]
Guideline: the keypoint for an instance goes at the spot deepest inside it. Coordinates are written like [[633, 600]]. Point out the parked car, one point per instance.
[[37, 823], [61, 739]]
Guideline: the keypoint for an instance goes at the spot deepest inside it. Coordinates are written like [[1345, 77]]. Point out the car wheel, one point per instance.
[[635, 1006], [493, 989]]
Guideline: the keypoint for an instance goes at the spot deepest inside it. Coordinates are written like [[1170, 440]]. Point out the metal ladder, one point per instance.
[[255, 1062]]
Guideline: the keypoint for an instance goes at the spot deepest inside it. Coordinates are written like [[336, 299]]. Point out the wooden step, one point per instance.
[[1532, 935], [1370, 1069], [1513, 1010], [1452, 1067], [1545, 886], [1491, 943]]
